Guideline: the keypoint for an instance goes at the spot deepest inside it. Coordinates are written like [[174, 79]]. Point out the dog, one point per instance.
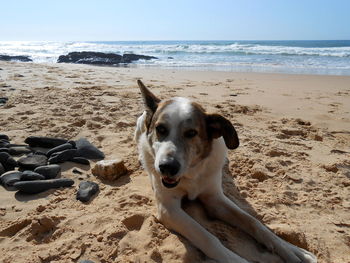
[[183, 149]]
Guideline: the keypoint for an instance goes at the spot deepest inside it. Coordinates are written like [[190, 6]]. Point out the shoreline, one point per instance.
[[291, 170]]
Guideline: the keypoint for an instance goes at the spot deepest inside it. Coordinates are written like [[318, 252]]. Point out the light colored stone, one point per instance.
[[109, 169]]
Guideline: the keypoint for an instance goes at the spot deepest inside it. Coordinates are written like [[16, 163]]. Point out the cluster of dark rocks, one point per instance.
[[15, 58], [88, 57], [100, 58], [37, 167]]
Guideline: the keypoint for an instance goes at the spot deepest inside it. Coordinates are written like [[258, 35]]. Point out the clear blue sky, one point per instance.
[[174, 20]]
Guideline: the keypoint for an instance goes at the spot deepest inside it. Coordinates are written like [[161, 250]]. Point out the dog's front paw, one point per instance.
[[293, 254]]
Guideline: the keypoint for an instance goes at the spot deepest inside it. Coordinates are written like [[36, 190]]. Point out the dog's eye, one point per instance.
[[162, 130], [190, 133]]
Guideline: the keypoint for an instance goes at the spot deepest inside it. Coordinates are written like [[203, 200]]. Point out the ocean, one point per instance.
[[329, 57]]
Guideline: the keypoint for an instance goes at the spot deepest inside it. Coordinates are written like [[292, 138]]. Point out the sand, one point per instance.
[[292, 170]]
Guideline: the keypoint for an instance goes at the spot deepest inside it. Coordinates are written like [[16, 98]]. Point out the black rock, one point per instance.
[[76, 171], [73, 144], [6, 150], [4, 137], [86, 261], [44, 142], [15, 58], [128, 58], [2, 169], [9, 179], [32, 162], [80, 160], [95, 58], [31, 176], [59, 148], [7, 161], [33, 187], [87, 150], [61, 157], [4, 143], [86, 190], [39, 153], [19, 150], [49, 171]]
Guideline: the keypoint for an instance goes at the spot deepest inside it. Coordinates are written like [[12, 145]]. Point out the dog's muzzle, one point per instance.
[[169, 169]]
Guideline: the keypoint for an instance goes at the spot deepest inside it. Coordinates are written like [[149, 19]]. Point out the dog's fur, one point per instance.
[[183, 149]]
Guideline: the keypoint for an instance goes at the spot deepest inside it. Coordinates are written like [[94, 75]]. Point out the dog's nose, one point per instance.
[[171, 167]]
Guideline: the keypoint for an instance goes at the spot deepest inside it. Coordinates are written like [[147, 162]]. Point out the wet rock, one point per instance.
[[80, 160], [7, 161], [19, 150], [109, 169], [95, 58], [87, 150], [4, 137], [59, 148], [15, 58], [86, 190], [8, 179], [100, 58], [44, 142], [128, 58], [61, 157], [32, 162], [33, 187], [49, 171], [31, 176]]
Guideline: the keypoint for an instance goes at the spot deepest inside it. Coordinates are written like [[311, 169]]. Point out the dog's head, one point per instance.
[[180, 134]]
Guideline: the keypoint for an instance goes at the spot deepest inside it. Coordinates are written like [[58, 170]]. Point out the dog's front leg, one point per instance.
[[223, 208], [175, 218]]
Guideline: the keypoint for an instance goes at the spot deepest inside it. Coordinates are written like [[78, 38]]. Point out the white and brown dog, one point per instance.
[[183, 149]]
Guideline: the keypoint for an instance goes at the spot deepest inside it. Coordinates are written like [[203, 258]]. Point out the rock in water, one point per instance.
[[128, 58], [44, 142], [9, 179], [33, 187], [49, 171], [87, 150], [86, 57], [86, 190], [31, 176], [109, 169], [7, 161], [15, 58], [61, 157], [32, 162], [59, 148]]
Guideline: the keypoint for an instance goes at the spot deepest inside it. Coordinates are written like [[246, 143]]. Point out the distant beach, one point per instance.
[[325, 57]]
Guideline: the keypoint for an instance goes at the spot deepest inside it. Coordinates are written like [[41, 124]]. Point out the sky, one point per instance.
[[103, 20]]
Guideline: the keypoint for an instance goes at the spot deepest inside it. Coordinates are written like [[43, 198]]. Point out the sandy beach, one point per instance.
[[292, 170]]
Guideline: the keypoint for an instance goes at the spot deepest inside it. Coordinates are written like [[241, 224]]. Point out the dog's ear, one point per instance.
[[219, 126], [150, 100]]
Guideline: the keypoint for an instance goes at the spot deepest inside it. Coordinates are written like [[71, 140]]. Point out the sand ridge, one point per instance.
[[291, 170]]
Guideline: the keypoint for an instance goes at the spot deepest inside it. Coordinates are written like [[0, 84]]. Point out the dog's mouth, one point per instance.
[[170, 182]]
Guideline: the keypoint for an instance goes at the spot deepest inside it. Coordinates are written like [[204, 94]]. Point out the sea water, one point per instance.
[[331, 57]]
